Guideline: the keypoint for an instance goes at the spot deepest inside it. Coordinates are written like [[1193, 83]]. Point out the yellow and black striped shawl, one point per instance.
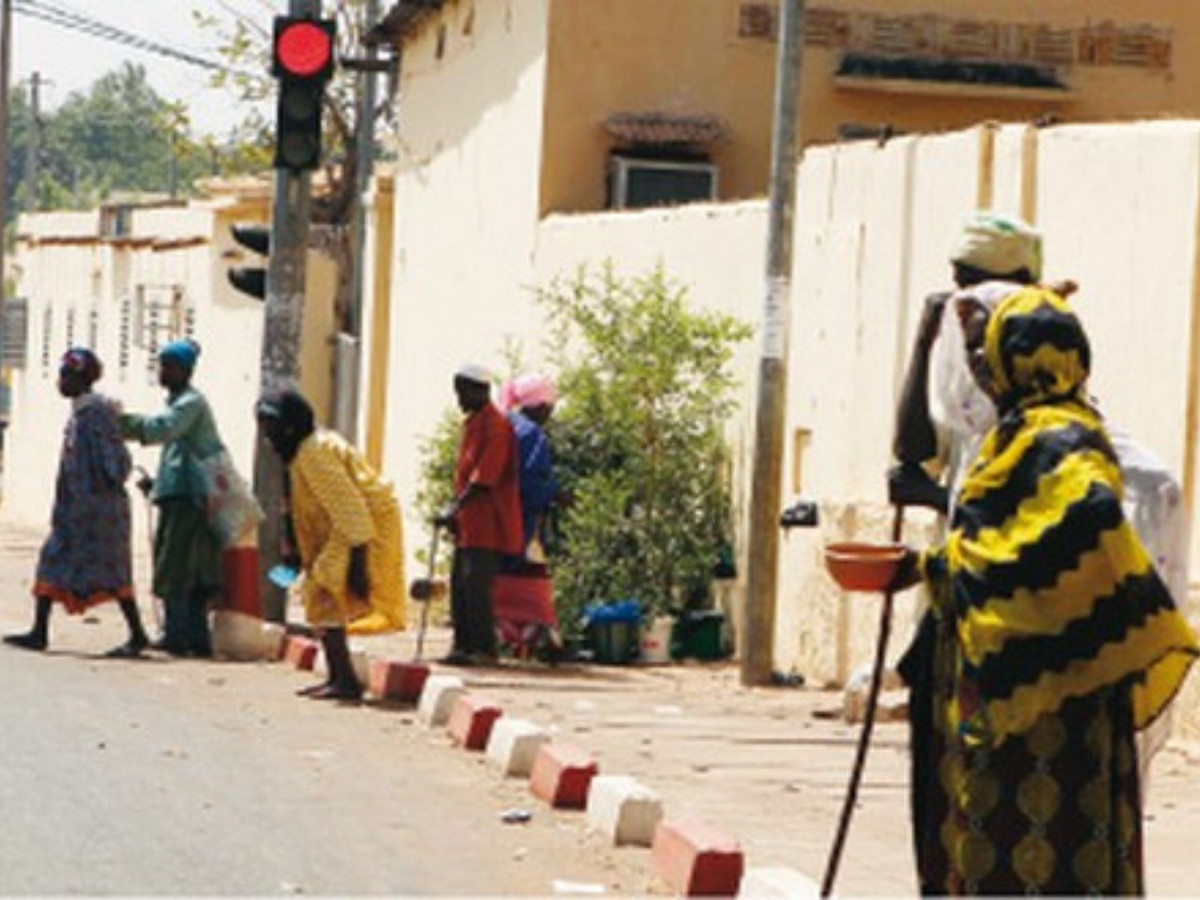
[[1053, 595]]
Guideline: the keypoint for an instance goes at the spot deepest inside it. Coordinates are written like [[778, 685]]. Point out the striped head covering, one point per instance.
[[1053, 595]]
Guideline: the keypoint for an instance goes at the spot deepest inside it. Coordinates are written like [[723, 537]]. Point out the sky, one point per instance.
[[69, 61]]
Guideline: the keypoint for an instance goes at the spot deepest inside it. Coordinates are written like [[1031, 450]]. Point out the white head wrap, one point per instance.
[[474, 372], [999, 245]]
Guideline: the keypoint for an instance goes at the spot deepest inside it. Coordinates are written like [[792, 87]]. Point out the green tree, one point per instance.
[[119, 135]]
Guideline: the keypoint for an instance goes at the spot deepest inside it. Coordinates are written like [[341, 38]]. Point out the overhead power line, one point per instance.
[[65, 18]]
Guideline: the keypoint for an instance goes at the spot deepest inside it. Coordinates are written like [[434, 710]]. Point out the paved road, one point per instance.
[[187, 777]]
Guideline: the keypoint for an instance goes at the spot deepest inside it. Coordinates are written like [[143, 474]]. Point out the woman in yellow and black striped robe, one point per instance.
[[1050, 639]]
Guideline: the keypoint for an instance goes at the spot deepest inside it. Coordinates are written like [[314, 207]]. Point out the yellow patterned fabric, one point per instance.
[[1053, 595], [339, 502], [1050, 639]]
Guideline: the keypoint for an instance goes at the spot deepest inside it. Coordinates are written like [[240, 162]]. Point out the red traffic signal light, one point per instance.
[[303, 48], [302, 60]]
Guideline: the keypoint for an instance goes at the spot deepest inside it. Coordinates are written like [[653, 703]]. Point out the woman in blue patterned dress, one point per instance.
[[86, 558]]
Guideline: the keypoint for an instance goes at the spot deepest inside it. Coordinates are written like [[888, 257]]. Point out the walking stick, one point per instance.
[[864, 737], [433, 547], [145, 485]]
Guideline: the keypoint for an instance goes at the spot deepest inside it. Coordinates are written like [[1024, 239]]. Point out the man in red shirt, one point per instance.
[[485, 516]]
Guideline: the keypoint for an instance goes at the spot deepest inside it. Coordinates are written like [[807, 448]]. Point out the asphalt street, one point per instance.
[[164, 777]]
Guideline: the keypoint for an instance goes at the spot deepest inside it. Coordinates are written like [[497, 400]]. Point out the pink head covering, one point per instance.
[[528, 391]]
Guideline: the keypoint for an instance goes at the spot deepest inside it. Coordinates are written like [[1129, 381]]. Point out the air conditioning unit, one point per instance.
[[637, 183]]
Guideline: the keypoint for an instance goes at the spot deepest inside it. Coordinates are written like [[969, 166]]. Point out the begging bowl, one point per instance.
[[859, 566]]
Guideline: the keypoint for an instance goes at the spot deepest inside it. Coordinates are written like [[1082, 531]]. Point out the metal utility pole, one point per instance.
[[350, 340], [759, 619], [33, 147], [5, 69], [280, 361]]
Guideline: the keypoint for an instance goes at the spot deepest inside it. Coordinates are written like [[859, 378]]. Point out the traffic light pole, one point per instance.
[[280, 360]]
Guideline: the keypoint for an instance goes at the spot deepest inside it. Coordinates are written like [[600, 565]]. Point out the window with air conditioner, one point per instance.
[[636, 183]]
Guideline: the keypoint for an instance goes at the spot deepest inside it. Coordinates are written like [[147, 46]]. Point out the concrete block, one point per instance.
[[438, 698], [390, 679], [696, 859], [514, 744], [273, 636], [562, 775], [778, 881], [236, 635], [301, 652], [361, 663], [623, 809], [471, 721]]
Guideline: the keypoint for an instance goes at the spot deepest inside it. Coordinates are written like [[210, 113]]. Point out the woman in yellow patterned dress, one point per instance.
[[1050, 639], [347, 530]]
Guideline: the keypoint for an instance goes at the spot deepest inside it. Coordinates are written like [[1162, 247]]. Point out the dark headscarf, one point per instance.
[[82, 362], [294, 415]]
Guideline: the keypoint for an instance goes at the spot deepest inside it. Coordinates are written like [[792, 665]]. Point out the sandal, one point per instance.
[[336, 692]]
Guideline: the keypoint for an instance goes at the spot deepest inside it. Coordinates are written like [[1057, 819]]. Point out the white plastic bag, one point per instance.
[[228, 501]]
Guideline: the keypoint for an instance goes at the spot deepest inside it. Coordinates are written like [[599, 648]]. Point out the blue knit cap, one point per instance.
[[184, 353]]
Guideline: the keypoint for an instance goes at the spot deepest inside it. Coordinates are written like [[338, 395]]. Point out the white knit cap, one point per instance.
[[474, 372], [999, 245]]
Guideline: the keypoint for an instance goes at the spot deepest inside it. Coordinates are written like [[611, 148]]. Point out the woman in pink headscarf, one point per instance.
[[522, 594], [529, 402]]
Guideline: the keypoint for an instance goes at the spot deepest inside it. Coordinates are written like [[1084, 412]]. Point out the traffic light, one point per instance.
[[302, 60], [251, 280]]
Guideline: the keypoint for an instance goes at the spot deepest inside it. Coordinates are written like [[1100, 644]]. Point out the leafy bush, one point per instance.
[[638, 441]]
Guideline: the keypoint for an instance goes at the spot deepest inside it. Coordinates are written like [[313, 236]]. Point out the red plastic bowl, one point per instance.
[[859, 566]]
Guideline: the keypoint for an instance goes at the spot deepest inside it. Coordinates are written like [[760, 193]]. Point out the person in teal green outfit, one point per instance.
[[187, 553]]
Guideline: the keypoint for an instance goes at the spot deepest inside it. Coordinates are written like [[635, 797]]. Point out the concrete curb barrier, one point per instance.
[[514, 745], [778, 881], [437, 699], [274, 639], [623, 809], [696, 859], [399, 681], [301, 652], [562, 775], [471, 721]]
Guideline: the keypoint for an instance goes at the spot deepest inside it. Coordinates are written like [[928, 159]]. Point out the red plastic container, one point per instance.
[[860, 566]]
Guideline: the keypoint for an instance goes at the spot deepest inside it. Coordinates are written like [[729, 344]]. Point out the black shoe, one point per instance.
[[131, 649], [31, 640], [457, 658], [173, 648]]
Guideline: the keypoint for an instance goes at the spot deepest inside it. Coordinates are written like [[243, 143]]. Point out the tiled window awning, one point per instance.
[[665, 128]]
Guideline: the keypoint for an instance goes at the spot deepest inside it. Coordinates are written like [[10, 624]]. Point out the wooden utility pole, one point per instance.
[[280, 362], [758, 631], [5, 69], [32, 149]]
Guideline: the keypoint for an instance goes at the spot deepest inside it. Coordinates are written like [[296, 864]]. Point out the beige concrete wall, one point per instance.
[[1118, 205], [466, 214], [189, 247]]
